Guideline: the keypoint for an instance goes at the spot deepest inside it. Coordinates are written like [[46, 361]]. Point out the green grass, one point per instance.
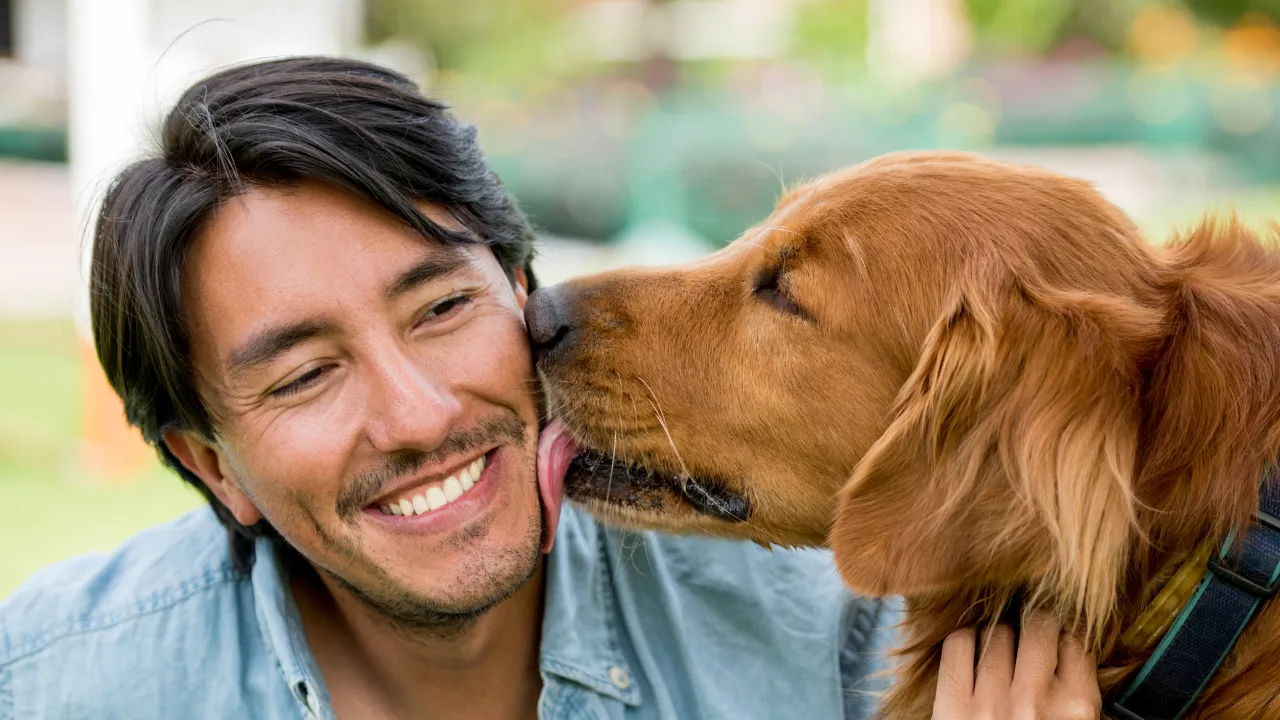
[[49, 510]]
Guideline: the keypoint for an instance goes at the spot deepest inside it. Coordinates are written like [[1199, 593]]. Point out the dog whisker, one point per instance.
[[777, 173], [657, 411], [779, 228], [613, 459]]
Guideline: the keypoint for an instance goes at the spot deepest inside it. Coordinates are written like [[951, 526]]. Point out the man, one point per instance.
[[310, 303]]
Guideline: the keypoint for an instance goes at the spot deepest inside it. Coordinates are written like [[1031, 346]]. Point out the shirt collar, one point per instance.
[[580, 624], [282, 631]]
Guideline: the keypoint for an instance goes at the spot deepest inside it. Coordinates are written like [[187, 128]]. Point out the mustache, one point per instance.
[[367, 487]]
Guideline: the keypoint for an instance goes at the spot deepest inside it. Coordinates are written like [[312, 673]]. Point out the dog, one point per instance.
[[973, 381]]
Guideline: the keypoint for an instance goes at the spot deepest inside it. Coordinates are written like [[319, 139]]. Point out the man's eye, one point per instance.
[[302, 382], [445, 308]]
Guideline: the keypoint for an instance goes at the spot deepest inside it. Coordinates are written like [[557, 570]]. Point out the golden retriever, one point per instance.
[[972, 380]]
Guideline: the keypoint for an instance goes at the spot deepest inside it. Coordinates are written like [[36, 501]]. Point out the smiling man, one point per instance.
[[311, 303]]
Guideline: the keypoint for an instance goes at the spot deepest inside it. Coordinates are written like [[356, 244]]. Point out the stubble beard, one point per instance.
[[494, 579], [490, 578]]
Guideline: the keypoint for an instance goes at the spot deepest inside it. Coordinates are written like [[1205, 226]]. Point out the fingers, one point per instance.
[[1054, 677], [995, 672], [1075, 664], [1038, 650], [955, 675], [1076, 695], [995, 664]]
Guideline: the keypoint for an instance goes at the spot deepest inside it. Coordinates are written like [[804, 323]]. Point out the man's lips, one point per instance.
[[421, 481], [555, 451], [432, 494], [449, 518]]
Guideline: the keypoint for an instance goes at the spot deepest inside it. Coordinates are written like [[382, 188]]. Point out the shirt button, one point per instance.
[[620, 678]]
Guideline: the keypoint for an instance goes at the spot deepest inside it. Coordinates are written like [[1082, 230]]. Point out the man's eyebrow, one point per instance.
[[442, 262], [271, 343]]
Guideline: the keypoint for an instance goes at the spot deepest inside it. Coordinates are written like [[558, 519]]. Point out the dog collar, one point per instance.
[[1237, 579], [1159, 615]]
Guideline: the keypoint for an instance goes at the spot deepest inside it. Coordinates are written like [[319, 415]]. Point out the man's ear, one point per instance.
[[205, 461], [521, 286]]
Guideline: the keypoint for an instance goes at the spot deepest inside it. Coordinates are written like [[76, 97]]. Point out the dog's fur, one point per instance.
[[972, 380]]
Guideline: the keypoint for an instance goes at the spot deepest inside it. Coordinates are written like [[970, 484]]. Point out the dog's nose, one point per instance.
[[547, 317]]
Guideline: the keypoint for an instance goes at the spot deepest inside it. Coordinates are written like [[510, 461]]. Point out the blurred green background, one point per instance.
[[648, 131]]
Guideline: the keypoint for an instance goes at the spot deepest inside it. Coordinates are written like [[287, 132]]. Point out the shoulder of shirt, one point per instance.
[[730, 570], [150, 572], [727, 600]]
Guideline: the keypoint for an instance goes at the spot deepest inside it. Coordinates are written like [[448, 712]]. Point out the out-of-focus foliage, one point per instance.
[[831, 34], [518, 40], [606, 116], [506, 40], [1230, 12]]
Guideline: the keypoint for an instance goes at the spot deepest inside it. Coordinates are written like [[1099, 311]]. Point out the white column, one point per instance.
[[108, 44], [127, 62], [129, 59]]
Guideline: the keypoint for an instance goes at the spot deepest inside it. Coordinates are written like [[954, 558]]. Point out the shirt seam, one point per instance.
[[630, 695], [298, 670], [6, 693], [592, 673], [156, 603], [857, 658]]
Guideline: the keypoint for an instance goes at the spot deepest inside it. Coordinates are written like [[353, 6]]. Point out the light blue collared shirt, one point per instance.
[[637, 626]]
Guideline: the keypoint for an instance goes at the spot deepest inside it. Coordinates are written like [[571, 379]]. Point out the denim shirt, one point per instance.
[[636, 626]]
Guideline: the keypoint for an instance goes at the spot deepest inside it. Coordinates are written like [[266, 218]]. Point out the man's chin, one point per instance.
[[468, 579]]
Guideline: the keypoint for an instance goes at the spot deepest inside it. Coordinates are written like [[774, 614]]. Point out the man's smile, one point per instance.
[[424, 495], [432, 506]]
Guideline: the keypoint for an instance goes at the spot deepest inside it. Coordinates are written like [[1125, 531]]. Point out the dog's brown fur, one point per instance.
[[988, 386]]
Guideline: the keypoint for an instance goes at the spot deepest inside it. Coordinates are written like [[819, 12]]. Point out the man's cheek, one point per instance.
[[297, 462], [496, 361]]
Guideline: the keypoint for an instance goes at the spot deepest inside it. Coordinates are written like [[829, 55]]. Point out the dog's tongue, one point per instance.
[[555, 450]]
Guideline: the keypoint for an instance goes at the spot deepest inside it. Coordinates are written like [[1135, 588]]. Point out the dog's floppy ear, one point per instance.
[[1010, 451], [1212, 422]]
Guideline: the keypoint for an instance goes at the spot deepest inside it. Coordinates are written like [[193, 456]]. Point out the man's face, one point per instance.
[[355, 369]]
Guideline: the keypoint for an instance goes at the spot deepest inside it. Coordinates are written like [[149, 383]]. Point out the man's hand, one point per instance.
[[1053, 678]]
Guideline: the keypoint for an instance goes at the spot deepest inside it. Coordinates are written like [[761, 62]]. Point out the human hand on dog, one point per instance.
[[1052, 678]]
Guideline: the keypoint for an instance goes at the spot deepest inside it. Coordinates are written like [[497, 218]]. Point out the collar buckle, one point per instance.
[[1267, 520], [1232, 577], [1116, 711]]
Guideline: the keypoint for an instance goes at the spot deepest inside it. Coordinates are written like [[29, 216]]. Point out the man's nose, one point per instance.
[[549, 317], [413, 409]]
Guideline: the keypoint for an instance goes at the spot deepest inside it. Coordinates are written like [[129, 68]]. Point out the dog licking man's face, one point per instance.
[[764, 392], [732, 395], [971, 380]]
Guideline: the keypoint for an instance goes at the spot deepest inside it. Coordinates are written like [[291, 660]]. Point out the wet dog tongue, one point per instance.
[[555, 450]]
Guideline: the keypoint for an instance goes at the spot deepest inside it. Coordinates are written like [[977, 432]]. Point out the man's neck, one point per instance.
[[372, 668]]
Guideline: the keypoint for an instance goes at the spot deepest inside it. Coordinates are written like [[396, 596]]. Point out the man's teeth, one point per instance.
[[437, 495], [452, 490]]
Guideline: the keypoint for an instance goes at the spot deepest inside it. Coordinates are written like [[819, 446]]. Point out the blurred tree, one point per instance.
[[1039, 26], [831, 34], [1018, 25], [1229, 12], [1106, 23], [515, 40]]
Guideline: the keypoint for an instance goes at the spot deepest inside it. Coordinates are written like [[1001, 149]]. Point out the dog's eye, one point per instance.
[[768, 288]]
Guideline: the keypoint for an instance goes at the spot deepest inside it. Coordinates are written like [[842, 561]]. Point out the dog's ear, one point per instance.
[[1211, 417], [1010, 451]]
